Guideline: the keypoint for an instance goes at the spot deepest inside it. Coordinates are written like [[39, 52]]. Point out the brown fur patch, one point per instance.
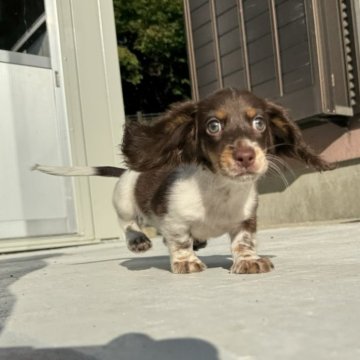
[[178, 121], [170, 141], [249, 225], [244, 250], [151, 191]]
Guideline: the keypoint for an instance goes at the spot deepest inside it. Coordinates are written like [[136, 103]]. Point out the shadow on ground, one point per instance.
[[163, 262], [132, 346], [11, 271]]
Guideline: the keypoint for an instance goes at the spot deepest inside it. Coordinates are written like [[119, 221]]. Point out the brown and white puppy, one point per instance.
[[193, 175]]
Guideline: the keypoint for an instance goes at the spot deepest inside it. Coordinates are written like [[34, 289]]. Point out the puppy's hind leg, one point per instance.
[[124, 203], [199, 244], [136, 240]]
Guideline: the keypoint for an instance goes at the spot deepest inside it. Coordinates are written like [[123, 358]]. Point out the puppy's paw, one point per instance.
[[187, 266], [198, 244], [251, 266], [139, 243]]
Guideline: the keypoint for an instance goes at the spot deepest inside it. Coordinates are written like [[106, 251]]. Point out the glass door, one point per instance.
[[33, 125]]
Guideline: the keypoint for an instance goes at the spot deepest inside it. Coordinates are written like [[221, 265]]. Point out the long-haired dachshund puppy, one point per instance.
[[193, 175]]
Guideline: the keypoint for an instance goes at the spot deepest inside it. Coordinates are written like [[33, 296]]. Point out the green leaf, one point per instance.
[[152, 53]]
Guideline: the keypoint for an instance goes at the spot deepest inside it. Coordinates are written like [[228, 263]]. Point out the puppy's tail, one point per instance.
[[109, 171]]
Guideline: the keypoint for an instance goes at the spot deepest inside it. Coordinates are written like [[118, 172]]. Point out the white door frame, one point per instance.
[[88, 93]]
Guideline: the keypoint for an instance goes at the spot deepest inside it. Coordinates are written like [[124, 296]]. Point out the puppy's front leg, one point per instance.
[[246, 260], [182, 256]]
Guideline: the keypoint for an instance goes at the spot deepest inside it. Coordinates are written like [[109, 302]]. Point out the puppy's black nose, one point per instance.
[[245, 156]]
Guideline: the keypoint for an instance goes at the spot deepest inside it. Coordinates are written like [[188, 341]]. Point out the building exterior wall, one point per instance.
[[313, 197], [329, 196]]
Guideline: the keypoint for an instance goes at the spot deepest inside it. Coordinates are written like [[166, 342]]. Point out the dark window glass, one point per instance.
[[23, 27]]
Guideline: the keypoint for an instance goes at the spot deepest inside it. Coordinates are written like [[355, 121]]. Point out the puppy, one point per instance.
[[193, 175]]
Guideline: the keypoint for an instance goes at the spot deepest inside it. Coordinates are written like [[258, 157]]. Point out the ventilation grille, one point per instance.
[[348, 51], [301, 53]]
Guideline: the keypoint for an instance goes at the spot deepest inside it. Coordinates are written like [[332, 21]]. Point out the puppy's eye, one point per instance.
[[213, 127], [259, 124]]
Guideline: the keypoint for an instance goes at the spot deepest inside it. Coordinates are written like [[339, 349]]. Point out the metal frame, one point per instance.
[[63, 122], [275, 36], [12, 57], [243, 40], [332, 68], [216, 43], [190, 50], [355, 21]]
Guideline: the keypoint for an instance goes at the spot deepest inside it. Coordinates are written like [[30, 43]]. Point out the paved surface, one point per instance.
[[102, 302]]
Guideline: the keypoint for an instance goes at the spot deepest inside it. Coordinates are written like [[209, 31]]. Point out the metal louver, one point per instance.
[[298, 52], [348, 51]]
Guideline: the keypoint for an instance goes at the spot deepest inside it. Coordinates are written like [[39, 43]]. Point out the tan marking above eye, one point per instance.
[[221, 114], [280, 124], [250, 112]]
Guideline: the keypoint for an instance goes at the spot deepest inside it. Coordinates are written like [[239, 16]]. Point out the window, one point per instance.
[[23, 31]]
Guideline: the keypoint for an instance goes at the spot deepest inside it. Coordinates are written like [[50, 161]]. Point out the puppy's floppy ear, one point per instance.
[[170, 141], [288, 140]]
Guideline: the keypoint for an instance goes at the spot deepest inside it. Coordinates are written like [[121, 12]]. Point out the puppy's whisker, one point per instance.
[[282, 175], [279, 159], [280, 144], [282, 162], [277, 145], [273, 172], [278, 171], [283, 179]]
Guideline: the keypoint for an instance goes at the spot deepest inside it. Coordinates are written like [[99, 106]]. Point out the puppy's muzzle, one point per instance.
[[244, 156]]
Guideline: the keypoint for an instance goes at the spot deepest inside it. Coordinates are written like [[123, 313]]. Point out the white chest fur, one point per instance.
[[208, 204]]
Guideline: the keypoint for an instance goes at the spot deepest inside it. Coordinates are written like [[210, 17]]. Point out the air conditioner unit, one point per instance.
[[301, 53]]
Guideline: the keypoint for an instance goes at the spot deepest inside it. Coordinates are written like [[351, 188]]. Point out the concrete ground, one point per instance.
[[103, 302]]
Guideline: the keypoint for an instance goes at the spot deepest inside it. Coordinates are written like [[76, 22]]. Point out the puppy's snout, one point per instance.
[[245, 156]]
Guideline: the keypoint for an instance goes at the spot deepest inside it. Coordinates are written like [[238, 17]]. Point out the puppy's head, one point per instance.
[[230, 132]]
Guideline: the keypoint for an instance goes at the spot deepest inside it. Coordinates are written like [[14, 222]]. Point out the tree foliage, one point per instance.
[[152, 53]]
